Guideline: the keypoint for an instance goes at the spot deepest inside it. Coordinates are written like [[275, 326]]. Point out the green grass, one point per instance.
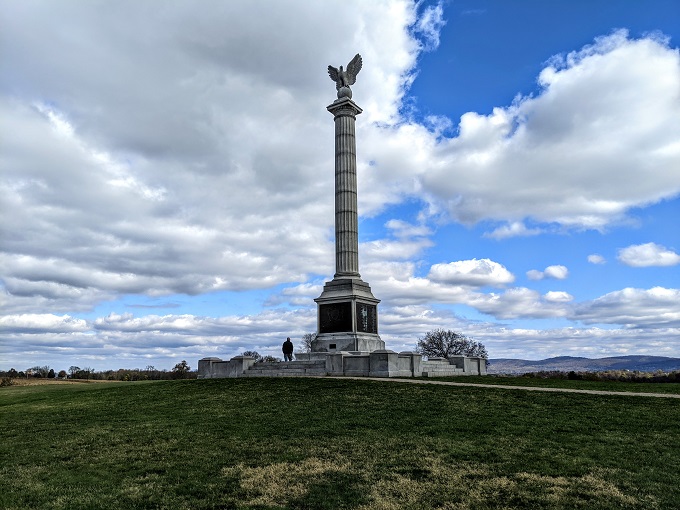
[[638, 387], [327, 443]]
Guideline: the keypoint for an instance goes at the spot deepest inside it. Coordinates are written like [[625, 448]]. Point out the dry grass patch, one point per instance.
[[278, 484]]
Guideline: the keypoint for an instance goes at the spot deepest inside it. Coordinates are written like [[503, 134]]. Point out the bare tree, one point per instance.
[[442, 344], [269, 359], [252, 354], [180, 370], [306, 342]]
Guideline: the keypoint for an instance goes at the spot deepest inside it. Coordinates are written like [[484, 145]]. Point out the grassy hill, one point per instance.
[[326, 443]]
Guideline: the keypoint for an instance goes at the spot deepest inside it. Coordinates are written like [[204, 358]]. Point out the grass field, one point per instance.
[[327, 443], [633, 387]]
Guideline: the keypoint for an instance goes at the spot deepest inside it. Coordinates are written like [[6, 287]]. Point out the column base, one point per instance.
[[349, 342]]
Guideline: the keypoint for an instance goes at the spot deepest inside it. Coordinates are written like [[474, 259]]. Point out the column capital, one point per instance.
[[344, 107]]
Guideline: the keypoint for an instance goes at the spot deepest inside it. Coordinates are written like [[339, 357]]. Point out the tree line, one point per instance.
[[181, 370]]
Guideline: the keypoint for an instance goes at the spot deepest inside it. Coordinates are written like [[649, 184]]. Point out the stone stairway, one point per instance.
[[440, 368], [287, 369]]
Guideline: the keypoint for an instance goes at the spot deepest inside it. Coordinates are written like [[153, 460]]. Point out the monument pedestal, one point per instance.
[[347, 318]]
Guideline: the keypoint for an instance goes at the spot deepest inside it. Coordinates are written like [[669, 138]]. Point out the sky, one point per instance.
[[167, 175]]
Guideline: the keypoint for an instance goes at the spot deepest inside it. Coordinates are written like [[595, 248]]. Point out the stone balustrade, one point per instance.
[[379, 363]]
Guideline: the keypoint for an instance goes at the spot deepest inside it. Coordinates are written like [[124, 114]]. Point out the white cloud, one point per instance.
[[637, 308], [558, 297], [429, 26], [179, 148], [162, 340], [520, 303], [160, 149], [514, 229], [575, 154], [26, 323], [557, 272], [402, 229], [535, 274], [649, 254], [473, 272], [123, 194], [596, 259]]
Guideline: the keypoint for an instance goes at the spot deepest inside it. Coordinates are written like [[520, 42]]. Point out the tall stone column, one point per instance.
[[346, 223], [347, 318]]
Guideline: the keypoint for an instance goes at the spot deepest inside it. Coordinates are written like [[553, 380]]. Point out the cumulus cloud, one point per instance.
[[514, 229], [179, 148], [558, 296], [126, 195], [575, 154], [473, 272], [521, 303], [557, 272], [649, 254], [658, 307], [132, 340], [26, 323], [459, 283], [596, 259]]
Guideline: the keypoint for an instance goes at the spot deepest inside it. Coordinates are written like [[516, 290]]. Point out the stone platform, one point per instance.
[[380, 363]]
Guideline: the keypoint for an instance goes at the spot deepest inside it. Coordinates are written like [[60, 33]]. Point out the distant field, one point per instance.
[[329, 443]]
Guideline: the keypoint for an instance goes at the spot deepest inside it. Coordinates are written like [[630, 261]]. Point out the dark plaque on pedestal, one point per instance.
[[335, 318], [367, 318]]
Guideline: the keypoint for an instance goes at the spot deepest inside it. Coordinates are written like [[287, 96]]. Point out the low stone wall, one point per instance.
[[381, 363]]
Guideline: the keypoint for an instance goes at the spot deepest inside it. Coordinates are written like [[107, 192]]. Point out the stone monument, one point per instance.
[[347, 311], [347, 341]]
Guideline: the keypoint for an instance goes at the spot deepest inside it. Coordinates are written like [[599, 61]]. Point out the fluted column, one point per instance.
[[346, 218]]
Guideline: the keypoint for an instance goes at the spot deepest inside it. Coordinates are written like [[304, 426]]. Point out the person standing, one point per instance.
[[287, 350]]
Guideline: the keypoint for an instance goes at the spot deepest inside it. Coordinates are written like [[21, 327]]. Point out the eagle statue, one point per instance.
[[344, 78]]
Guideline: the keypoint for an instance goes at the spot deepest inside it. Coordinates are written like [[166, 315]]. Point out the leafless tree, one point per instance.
[[306, 342], [442, 344]]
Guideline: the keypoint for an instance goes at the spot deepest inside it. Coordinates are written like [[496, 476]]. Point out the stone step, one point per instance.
[[442, 373], [283, 373], [293, 365]]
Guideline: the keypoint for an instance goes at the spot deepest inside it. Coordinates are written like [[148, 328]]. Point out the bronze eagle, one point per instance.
[[347, 77]]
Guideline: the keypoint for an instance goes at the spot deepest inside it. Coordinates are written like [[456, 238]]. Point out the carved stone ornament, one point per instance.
[[343, 78]]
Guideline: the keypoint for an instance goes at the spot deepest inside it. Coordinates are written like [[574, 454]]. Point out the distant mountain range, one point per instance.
[[569, 363]]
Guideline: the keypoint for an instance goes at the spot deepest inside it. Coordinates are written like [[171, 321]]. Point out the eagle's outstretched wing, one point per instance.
[[333, 73], [353, 69]]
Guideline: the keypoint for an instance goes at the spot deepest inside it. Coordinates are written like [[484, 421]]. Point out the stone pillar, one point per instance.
[[346, 222], [347, 313]]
